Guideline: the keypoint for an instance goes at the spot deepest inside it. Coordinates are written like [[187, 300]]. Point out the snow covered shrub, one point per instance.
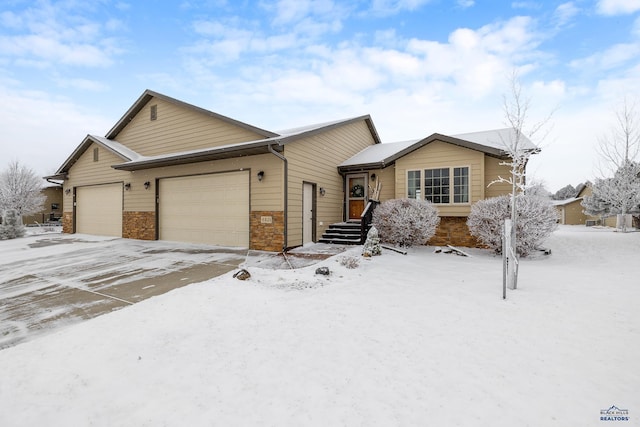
[[350, 261], [406, 222], [536, 220], [372, 244], [11, 226]]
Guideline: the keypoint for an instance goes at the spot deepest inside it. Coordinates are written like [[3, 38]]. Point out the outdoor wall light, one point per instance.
[[127, 186], [322, 191], [260, 175], [373, 177], [147, 184], [67, 191]]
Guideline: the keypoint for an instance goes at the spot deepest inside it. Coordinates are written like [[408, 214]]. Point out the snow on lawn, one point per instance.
[[422, 339]]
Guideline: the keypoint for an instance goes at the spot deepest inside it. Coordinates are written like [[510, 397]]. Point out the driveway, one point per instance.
[[50, 281]]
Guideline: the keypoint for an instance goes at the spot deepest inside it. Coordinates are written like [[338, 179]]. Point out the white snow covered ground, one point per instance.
[[418, 340]]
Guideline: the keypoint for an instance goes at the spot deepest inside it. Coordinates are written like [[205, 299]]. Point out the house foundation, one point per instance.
[[453, 231]]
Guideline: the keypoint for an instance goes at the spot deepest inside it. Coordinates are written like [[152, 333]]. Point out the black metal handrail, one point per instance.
[[366, 218]]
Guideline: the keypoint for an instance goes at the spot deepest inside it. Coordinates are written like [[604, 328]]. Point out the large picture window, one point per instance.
[[440, 186]]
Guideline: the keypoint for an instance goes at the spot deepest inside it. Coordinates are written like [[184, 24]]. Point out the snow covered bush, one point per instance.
[[536, 220], [372, 244], [406, 222], [11, 226], [350, 261]]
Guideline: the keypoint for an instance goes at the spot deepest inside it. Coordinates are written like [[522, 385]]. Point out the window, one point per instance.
[[460, 185], [95, 154], [153, 112], [436, 185], [413, 185]]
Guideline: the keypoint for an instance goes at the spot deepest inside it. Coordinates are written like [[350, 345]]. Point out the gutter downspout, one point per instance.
[[286, 192]]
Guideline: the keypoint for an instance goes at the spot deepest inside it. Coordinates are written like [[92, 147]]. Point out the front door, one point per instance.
[[356, 195]]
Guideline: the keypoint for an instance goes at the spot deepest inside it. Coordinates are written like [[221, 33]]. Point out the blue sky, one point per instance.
[[70, 68]]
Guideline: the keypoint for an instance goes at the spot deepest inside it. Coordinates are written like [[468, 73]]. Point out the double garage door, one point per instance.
[[211, 209]]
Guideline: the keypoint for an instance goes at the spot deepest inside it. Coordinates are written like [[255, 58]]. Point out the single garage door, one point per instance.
[[211, 209], [99, 210]]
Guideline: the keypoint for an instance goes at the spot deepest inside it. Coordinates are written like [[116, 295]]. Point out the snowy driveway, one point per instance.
[[50, 281]]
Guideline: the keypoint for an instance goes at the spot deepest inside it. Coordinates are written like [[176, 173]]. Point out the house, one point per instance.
[[169, 170], [571, 212], [453, 172], [52, 207]]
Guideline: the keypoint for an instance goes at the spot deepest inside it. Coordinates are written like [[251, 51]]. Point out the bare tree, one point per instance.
[[518, 147], [618, 153], [20, 190]]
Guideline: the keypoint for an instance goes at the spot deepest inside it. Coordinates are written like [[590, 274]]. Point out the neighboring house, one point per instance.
[[453, 172], [52, 207], [169, 170], [571, 212]]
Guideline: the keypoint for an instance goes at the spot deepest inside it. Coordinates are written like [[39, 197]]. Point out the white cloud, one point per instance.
[[314, 17], [466, 3], [526, 5], [389, 7], [617, 7], [565, 13], [40, 130], [613, 57], [57, 34]]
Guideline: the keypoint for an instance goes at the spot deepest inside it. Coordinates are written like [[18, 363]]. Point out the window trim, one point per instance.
[[451, 183]]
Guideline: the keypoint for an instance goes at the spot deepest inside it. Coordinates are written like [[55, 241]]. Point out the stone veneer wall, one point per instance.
[[267, 236], [67, 222], [139, 225], [454, 231]]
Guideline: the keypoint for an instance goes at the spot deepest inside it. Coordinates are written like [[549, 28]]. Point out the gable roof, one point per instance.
[[113, 146], [492, 143], [565, 202], [147, 95], [261, 146], [135, 161]]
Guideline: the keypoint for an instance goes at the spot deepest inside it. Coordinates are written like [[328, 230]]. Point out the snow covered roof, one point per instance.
[[260, 146], [497, 138], [113, 146], [135, 161], [565, 201], [491, 142], [380, 154]]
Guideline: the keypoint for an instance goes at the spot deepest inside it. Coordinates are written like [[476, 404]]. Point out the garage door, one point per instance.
[[211, 209], [99, 210]]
